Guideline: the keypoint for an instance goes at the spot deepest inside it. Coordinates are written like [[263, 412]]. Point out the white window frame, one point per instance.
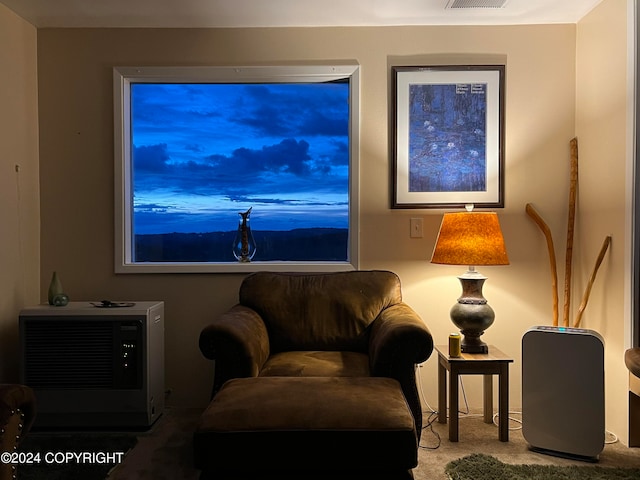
[[123, 77]]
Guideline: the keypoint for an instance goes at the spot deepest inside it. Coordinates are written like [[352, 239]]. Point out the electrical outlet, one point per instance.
[[416, 228]]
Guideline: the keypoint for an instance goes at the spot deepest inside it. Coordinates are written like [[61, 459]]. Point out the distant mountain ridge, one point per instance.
[[300, 244]]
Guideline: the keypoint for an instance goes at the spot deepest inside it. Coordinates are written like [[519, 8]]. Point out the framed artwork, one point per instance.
[[448, 136]]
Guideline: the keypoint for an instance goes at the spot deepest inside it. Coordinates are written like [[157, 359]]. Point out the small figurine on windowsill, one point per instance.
[[244, 246]]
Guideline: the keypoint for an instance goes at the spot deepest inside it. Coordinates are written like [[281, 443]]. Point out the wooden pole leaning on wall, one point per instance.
[[587, 292], [573, 187], [569, 250], [552, 257]]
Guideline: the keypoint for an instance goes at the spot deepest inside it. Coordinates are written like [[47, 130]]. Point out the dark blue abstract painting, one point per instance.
[[447, 137]]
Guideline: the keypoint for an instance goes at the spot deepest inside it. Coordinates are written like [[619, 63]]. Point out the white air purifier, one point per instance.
[[563, 392]]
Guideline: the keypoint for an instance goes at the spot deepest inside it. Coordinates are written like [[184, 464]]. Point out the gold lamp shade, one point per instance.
[[470, 238]]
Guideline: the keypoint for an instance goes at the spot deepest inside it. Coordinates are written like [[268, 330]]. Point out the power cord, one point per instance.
[[433, 416], [613, 438]]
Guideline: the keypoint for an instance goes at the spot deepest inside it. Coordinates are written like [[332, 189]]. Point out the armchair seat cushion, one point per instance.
[[287, 423], [316, 364]]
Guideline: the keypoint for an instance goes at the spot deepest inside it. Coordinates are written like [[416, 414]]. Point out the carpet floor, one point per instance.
[[164, 452]]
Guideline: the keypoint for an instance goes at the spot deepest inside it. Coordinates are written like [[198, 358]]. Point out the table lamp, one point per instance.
[[471, 238]]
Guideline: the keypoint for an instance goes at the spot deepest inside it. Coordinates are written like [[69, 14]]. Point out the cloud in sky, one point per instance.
[[203, 152]]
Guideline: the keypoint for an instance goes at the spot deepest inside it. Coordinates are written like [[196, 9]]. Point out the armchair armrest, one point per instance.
[[17, 413], [16, 399], [399, 339], [632, 361], [238, 342]]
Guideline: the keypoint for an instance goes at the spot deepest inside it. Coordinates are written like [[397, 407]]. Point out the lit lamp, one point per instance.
[[471, 238]]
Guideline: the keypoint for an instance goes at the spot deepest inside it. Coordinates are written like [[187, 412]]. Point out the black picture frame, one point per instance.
[[448, 136]]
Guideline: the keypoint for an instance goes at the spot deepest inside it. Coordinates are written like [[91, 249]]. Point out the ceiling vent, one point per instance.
[[476, 4]]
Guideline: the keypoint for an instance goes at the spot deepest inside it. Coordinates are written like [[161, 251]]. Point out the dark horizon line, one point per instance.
[[252, 230]]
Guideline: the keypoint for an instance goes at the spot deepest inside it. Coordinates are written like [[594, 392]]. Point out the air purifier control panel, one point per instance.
[[560, 330]]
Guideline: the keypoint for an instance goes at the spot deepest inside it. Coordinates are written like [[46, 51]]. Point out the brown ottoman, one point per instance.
[[307, 427]]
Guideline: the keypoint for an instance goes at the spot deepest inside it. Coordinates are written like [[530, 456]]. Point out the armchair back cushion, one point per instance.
[[320, 311]]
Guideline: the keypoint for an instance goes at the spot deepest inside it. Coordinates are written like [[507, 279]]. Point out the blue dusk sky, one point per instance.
[[204, 152]]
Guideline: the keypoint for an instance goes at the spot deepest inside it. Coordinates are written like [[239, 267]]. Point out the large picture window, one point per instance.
[[198, 147]]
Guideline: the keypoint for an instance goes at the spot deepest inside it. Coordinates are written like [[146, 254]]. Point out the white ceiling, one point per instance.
[[267, 13]]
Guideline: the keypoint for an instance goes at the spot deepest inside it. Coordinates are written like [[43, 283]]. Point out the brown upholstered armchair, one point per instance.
[[320, 325], [17, 413]]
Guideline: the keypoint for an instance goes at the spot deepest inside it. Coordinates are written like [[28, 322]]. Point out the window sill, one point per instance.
[[235, 267]]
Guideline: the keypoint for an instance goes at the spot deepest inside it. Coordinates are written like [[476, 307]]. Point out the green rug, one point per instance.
[[81, 456], [485, 467]]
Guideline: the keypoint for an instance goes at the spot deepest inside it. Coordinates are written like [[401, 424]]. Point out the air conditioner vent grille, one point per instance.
[[69, 354]]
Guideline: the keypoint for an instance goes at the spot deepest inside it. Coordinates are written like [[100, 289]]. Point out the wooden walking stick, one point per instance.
[[552, 257], [572, 215], [587, 292]]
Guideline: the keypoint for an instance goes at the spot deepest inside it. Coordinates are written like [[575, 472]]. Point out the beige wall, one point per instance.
[[76, 163], [77, 169], [19, 197], [605, 207]]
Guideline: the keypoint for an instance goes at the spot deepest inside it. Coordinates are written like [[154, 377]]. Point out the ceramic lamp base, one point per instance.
[[472, 314]]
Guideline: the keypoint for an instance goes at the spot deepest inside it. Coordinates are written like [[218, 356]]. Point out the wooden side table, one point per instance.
[[488, 364]]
